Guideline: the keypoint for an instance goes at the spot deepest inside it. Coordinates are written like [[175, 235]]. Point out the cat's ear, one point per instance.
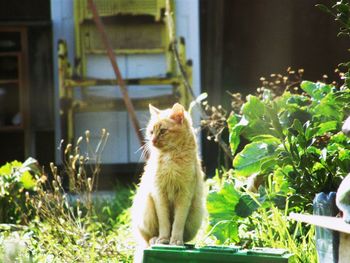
[[178, 113], [153, 110]]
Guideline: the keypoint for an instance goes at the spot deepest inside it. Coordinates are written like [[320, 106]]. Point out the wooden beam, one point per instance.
[[84, 83], [333, 223]]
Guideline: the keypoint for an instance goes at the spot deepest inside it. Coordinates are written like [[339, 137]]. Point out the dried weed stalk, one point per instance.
[[66, 214], [277, 84], [81, 170]]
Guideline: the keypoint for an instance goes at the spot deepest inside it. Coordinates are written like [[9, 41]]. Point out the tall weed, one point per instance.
[[70, 226]]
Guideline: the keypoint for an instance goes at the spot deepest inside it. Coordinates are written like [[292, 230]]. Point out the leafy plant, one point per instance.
[[16, 180], [296, 136], [291, 141], [256, 219]]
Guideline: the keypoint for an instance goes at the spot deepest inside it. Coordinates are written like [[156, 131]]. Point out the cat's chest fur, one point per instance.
[[175, 174]]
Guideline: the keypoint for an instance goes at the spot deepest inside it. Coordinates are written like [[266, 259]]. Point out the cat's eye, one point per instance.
[[162, 131], [151, 132]]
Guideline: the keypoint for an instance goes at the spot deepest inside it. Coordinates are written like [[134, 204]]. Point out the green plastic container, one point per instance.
[[209, 254]]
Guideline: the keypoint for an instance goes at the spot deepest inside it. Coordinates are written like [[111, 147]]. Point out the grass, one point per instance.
[[103, 237], [273, 229]]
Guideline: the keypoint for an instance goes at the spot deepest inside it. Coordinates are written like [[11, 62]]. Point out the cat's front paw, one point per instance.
[[153, 241], [162, 240], [176, 242]]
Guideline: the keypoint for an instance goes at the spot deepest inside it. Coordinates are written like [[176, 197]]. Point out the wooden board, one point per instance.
[[333, 223]]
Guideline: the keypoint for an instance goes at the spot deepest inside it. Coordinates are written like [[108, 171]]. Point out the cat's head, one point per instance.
[[168, 128]]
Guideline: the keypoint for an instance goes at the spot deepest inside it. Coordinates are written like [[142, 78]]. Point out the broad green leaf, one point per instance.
[[221, 208], [272, 113], [268, 165], [316, 90], [235, 129], [327, 127], [310, 132], [327, 109], [221, 204], [287, 117], [246, 206], [263, 137], [226, 231], [297, 100], [251, 158], [257, 127], [253, 109], [261, 118], [309, 87]]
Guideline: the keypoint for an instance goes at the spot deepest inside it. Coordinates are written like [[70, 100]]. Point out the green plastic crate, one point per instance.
[[209, 254]]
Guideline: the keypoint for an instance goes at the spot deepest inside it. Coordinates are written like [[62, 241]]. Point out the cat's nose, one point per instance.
[[154, 141]]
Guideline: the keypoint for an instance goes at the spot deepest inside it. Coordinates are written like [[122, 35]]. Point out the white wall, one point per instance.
[[123, 143]]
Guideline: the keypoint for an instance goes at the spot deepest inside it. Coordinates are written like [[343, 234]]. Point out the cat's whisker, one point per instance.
[[140, 148], [145, 150], [143, 155]]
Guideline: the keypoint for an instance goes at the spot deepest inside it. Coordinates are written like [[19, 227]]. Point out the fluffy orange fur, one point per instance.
[[169, 204]]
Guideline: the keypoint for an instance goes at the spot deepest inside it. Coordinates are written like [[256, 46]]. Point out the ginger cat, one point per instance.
[[168, 207]]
